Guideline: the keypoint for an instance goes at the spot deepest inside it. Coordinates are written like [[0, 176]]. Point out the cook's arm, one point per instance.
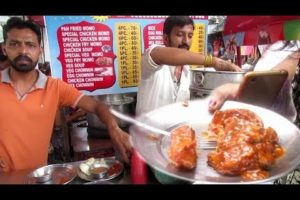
[[119, 138], [176, 56], [220, 94]]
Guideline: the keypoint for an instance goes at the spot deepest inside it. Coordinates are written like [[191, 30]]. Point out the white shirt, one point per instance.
[[283, 104], [274, 55], [158, 84]]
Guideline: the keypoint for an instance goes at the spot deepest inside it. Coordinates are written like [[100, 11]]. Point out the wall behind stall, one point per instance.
[[106, 53]]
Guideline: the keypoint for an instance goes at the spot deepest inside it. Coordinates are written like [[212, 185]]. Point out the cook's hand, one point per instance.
[[121, 142], [220, 94], [223, 65]]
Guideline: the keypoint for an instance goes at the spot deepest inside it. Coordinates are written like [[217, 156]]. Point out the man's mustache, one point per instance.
[[183, 46], [23, 58]]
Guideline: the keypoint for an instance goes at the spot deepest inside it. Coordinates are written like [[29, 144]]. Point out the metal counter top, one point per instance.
[[19, 177]]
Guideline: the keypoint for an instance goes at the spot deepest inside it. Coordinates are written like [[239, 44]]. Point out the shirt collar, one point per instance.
[[40, 83]]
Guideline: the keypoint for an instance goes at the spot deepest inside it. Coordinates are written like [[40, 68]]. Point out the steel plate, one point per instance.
[[110, 162], [60, 174], [154, 151]]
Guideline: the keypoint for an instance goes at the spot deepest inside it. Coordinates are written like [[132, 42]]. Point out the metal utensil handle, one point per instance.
[[138, 123]]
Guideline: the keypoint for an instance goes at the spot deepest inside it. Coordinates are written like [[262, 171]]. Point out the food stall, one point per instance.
[[157, 153], [256, 30], [74, 46], [154, 149]]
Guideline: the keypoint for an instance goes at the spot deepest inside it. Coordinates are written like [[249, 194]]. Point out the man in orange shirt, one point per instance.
[[29, 101]]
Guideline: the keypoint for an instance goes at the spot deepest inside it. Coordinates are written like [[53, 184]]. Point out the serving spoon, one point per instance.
[[203, 144], [138, 123]]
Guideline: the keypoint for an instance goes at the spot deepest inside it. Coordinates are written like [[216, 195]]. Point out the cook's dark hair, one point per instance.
[[290, 44], [172, 21], [18, 23]]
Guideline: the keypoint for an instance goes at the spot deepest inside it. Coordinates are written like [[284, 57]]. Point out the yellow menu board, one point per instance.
[[129, 52], [198, 44]]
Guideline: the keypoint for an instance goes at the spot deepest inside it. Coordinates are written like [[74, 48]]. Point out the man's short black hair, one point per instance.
[[172, 21], [16, 22]]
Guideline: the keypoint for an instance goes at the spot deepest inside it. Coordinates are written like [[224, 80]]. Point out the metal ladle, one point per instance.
[[203, 144], [138, 123]]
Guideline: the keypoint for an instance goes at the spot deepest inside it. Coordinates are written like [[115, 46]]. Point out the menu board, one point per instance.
[[102, 54], [129, 53]]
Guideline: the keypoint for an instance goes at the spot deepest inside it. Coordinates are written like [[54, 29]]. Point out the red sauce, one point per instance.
[[114, 169], [182, 151], [244, 146], [98, 170], [254, 175]]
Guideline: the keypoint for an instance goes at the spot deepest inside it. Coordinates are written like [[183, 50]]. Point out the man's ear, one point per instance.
[[3, 50], [165, 39]]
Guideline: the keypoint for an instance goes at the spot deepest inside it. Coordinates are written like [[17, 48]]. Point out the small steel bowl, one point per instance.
[[98, 171], [42, 175], [43, 178]]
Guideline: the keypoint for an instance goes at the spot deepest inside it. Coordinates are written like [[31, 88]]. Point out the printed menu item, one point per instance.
[[129, 53], [102, 54], [86, 55], [153, 34], [198, 44]]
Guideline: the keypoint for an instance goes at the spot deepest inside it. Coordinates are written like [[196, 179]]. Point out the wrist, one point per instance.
[[214, 62], [112, 126], [208, 60]]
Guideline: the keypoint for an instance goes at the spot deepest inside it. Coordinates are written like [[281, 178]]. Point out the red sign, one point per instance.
[[86, 54], [153, 34], [258, 29]]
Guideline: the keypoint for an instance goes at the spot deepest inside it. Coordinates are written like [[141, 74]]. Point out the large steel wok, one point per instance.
[[154, 152]]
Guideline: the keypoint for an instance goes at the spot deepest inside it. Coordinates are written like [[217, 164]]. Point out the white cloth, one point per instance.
[[273, 55], [158, 85], [283, 104]]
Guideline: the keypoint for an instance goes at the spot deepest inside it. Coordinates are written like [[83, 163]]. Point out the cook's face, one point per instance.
[[180, 37], [22, 49]]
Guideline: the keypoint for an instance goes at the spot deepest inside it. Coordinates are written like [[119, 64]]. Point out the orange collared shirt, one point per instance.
[[26, 123]]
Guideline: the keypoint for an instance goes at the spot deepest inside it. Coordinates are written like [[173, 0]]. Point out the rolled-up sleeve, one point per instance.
[[69, 95], [148, 65]]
